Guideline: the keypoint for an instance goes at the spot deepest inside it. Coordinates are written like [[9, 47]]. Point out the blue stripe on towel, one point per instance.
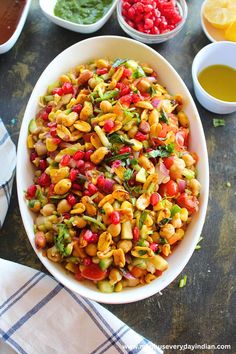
[[32, 312], [4, 138], [20, 289], [118, 338], [13, 343], [95, 351], [21, 295], [91, 315], [139, 347]]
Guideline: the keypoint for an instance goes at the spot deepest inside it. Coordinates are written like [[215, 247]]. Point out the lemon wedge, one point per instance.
[[220, 13], [230, 32]]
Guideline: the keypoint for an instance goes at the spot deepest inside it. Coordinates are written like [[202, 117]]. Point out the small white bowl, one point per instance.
[[113, 47], [5, 47], [48, 9], [153, 38], [218, 53], [212, 33]]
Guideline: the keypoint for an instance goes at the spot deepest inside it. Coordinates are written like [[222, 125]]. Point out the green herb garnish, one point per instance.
[[119, 139], [163, 117], [174, 210], [118, 62], [164, 221], [162, 151], [128, 174], [142, 219], [138, 73], [198, 247], [183, 281], [218, 122], [120, 157], [62, 240]]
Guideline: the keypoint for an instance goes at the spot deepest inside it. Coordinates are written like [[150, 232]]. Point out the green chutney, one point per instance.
[[83, 12]]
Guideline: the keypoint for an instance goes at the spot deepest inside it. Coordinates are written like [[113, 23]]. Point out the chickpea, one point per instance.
[[62, 186], [188, 159], [114, 229], [91, 249], [166, 250], [184, 214], [40, 240], [48, 209], [149, 277], [183, 119], [34, 205], [176, 221], [118, 287], [53, 254], [63, 206], [177, 168], [114, 276], [106, 106], [167, 231], [143, 85], [132, 131], [195, 186], [125, 245]]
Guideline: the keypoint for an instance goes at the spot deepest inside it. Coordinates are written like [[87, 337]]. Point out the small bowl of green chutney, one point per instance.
[[82, 16]]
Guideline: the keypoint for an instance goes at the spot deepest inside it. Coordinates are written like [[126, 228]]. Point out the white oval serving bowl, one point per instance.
[[5, 47], [218, 53], [48, 9], [116, 47]]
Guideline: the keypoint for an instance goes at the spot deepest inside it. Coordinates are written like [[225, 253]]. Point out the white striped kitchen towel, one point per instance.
[[40, 316], [7, 170]]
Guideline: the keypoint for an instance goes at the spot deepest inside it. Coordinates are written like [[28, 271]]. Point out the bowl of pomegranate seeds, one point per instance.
[[152, 21], [112, 170]]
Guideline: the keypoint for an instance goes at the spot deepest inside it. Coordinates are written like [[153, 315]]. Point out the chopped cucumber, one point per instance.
[[141, 176], [105, 263], [105, 287]]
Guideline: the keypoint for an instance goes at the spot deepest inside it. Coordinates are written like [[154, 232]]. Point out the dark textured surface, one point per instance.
[[205, 310]]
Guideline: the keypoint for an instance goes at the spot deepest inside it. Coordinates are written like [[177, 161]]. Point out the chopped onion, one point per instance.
[[155, 102], [163, 173], [181, 184]]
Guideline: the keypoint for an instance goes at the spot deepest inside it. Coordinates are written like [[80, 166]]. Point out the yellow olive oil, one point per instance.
[[219, 81]]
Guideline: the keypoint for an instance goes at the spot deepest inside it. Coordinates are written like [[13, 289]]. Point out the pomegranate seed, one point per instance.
[[48, 109], [125, 149], [71, 199], [66, 216], [148, 24], [73, 174], [102, 71], [43, 164], [51, 189], [57, 91], [44, 180], [67, 87], [153, 246], [33, 156], [56, 141], [131, 13], [53, 132], [136, 233], [65, 161], [79, 155], [31, 191], [87, 235], [77, 108], [88, 154], [100, 182], [87, 261], [45, 116], [80, 164], [114, 217], [127, 73], [116, 164], [155, 198], [92, 188], [140, 136], [108, 185], [89, 166], [76, 186], [108, 125]]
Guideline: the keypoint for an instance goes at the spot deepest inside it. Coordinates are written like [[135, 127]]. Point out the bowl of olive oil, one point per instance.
[[214, 77]]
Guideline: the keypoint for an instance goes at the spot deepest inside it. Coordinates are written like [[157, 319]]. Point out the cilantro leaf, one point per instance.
[[62, 240], [128, 174], [163, 117], [142, 219], [162, 151], [218, 122], [119, 139]]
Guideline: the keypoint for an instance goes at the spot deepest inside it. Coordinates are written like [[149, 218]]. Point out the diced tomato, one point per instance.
[[78, 275], [168, 161], [138, 272], [188, 201], [93, 272], [164, 131], [169, 189]]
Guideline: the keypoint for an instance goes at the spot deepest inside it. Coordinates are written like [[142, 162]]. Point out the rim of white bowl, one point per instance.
[[137, 293]]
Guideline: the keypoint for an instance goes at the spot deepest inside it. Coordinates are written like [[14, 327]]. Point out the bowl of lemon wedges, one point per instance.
[[218, 19]]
